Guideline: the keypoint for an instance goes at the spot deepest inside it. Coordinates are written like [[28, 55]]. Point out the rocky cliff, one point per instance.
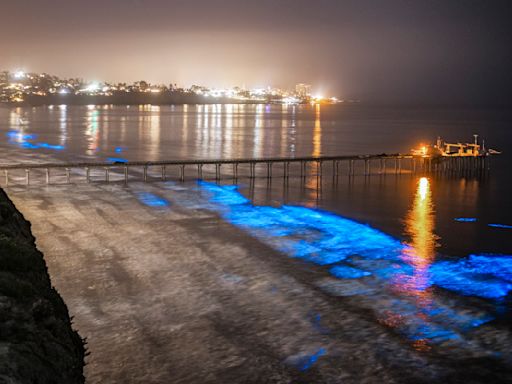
[[37, 342]]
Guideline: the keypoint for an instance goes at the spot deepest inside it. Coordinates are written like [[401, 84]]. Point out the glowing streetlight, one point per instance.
[[93, 87], [19, 75]]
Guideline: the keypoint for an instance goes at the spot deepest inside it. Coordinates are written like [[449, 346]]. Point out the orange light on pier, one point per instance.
[[422, 150]]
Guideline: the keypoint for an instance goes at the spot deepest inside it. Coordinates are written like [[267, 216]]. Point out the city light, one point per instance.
[[16, 86], [93, 87], [19, 75], [422, 151]]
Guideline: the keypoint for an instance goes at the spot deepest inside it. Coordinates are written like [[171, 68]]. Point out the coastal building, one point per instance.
[[303, 90], [4, 81]]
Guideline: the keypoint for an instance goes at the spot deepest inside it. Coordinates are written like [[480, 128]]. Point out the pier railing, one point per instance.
[[349, 165]]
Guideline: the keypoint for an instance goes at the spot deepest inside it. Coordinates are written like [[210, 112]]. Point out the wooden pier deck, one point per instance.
[[349, 165]]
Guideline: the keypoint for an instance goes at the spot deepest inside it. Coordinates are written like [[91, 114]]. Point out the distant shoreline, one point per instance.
[[174, 98]]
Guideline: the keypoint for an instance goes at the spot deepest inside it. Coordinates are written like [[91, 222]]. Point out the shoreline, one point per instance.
[[38, 341], [174, 98]]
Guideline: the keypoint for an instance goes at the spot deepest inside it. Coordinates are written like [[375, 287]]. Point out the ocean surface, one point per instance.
[[393, 276]]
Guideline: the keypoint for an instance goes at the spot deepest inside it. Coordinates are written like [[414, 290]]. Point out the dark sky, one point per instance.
[[376, 50]]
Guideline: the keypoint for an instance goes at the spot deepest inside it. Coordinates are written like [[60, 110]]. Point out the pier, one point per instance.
[[272, 167]]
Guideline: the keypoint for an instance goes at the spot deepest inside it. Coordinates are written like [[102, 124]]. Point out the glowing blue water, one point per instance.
[[117, 160], [357, 251], [303, 362], [312, 235], [505, 226], [466, 219], [345, 272], [49, 146], [13, 135], [484, 276], [152, 200], [22, 141]]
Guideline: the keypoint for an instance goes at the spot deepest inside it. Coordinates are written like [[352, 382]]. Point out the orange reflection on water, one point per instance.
[[419, 226], [317, 133], [92, 132], [419, 254], [259, 132]]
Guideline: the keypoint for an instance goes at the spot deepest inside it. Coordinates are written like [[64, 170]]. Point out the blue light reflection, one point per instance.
[[465, 219]]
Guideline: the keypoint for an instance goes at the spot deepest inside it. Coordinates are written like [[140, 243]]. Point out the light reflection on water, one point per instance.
[[63, 125], [419, 253], [313, 183], [92, 131]]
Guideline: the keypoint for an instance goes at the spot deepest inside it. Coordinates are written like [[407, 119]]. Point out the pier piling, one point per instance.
[[182, 172]]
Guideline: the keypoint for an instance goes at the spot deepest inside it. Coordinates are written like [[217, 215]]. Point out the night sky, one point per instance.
[[376, 51]]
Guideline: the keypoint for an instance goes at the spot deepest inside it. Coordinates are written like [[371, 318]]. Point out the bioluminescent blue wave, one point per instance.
[[504, 226], [29, 145], [345, 272], [312, 235], [13, 135], [466, 280], [50, 146], [117, 160], [367, 262], [152, 200], [465, 219], [22, 140], [303, 362], [325, 238]]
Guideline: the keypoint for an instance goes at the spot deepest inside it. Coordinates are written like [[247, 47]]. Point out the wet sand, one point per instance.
[[169, 294]]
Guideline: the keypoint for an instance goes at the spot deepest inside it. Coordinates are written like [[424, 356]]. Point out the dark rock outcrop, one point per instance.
[[37, 342]]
